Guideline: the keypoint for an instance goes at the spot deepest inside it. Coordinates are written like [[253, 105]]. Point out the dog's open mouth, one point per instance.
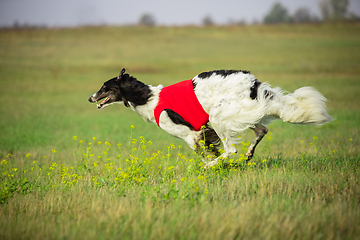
[[103, 102]]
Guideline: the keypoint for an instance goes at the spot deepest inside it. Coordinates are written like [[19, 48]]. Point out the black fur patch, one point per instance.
[[194, 84], [223, 73], [134, 91], [177, 119], [269, 94], [254, 89]]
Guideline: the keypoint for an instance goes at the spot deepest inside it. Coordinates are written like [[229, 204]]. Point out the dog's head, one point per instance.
[[110, 92]]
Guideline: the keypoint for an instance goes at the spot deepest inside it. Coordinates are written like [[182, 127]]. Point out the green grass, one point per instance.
[[141, 183]]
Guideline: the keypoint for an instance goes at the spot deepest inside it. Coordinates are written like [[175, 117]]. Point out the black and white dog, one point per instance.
[[231, 101]]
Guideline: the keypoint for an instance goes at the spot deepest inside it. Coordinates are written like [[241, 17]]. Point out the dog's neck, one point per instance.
[[146, 111]]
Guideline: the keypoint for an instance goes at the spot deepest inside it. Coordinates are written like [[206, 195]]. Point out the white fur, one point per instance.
[[147, 111], [304, 106]]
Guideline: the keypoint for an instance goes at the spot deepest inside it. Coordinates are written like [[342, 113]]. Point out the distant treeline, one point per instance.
[[331, 11]]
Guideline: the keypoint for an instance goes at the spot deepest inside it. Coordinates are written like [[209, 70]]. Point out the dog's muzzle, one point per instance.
[[92, 99]]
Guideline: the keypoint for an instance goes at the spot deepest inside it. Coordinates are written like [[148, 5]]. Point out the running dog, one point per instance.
[[216, 106]]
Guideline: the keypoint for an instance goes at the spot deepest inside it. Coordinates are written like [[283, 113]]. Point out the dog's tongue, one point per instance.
[[103, 102]]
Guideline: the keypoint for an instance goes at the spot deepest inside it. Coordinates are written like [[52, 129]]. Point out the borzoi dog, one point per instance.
[[216, 106]]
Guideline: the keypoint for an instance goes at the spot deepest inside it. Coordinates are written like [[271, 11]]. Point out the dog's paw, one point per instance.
[[249, 155], [210, 164]]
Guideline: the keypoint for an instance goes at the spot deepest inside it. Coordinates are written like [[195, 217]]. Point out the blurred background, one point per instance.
[[70, 13]]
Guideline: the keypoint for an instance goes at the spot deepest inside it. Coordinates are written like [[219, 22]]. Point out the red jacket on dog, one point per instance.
[[181, 98]]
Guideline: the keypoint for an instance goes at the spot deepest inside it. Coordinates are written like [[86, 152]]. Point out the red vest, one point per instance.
[[180, 97]]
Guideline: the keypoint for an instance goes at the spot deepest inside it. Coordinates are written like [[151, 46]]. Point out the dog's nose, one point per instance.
[[91, 99]]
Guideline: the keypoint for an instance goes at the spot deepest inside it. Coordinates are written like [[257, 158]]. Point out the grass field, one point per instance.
[[69, 171]]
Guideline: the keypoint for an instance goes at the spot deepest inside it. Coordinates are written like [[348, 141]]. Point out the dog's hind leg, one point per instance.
[[260, 131]]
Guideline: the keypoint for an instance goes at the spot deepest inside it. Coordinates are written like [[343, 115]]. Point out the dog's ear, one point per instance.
[[121, 74], [126, 103]]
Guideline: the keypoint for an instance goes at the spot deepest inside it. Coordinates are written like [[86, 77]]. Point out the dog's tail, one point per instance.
[[304, 106]]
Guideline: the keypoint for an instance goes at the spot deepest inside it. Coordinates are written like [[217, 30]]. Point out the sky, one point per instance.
[[69, 13]]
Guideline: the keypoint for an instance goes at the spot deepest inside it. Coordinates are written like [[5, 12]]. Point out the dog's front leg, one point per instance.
[[229, 149], [180, 131]]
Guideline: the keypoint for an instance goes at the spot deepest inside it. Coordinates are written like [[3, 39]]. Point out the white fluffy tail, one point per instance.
[[304, 106]]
